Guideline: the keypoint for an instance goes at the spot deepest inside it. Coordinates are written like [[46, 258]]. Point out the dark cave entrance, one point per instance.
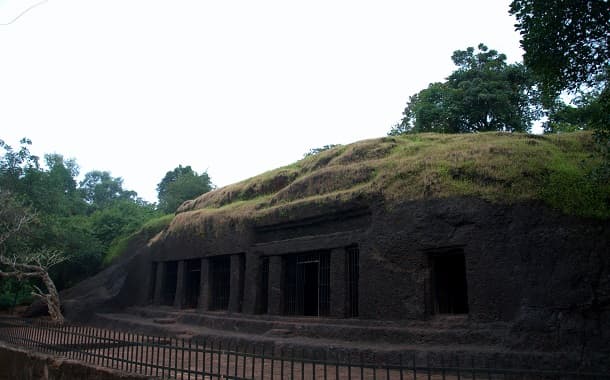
[[307, 290], [192, 283], [311, 287], [153, 281], [264, 302], [169, 282], [449, 283], [352, 277], [220, 271]]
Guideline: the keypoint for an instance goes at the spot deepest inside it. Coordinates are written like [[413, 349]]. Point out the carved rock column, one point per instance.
[[159, 283], [204, 286], [236, 287], [338, 283], [252, 284], [275, 285], [179, 297]]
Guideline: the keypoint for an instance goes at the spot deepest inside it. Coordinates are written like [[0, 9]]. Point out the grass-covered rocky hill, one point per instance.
[[524, 212], [498, 167]]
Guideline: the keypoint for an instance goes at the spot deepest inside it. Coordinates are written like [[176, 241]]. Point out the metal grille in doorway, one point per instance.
[[352, 270], [307, 284], [264, 304], [169, 282], [220, 282]]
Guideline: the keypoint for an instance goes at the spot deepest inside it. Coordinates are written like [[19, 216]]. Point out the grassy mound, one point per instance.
[[498, 167], [136, 239]]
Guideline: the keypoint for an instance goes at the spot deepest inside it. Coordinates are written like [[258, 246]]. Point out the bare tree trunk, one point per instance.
[[15, 217], [52, 298]]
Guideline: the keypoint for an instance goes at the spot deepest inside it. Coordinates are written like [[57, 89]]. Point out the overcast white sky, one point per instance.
[[136, 87]]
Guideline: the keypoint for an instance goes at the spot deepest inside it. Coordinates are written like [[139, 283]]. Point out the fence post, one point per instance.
[[56, 338], [349, 365], [292, 363], [362, 366], [263, 363], [303, 363], [337, 365], [272, 360], [225, 352], [157, 355], [313, 365], [219, 357], [243, 371], [188, 374], [325, 362], [204, 357], [282, 362], [196, 359], [253, 359]]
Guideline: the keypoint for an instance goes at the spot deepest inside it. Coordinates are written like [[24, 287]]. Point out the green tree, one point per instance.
[[53, 191], [430, 110], [566, 46], [81, 221], [18, 262], [179, 185], [565, 42], [121, 218], [15, 164], [484, 93], [99, 189]]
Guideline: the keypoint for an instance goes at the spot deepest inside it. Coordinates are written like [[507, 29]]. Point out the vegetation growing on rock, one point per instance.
[[498, 167]]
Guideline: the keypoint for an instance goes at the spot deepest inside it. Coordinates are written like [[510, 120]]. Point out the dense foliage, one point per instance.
[[179, 185], [19, 263], [81, 220], [567, 48], [565, 42], [484, 93]]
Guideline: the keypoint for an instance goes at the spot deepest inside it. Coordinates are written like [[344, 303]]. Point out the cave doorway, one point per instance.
[[307, 284], [311, 288], [220, 271], [264, 301], [153, 281], [192, 283], [170, 281], [450, 290], [352, 277]]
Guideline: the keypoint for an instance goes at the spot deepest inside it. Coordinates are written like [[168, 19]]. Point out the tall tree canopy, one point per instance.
[[566, 42], [179, 185], [484, 93], [19, 263], [567, 47], [81, 219], [100, 189]]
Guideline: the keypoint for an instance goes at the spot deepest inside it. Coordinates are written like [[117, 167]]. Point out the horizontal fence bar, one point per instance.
[[210, 358]]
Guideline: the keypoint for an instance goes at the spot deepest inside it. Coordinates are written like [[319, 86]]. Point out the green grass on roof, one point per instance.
[[498, 167]]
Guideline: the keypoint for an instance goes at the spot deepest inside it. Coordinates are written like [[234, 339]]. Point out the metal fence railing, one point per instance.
[[202, 359]]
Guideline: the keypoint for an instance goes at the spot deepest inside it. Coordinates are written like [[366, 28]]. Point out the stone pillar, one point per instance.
[[203, 303], [276, 274], [252, 284], [338, 283], [159, 283], [180, 278], [236, 289]]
